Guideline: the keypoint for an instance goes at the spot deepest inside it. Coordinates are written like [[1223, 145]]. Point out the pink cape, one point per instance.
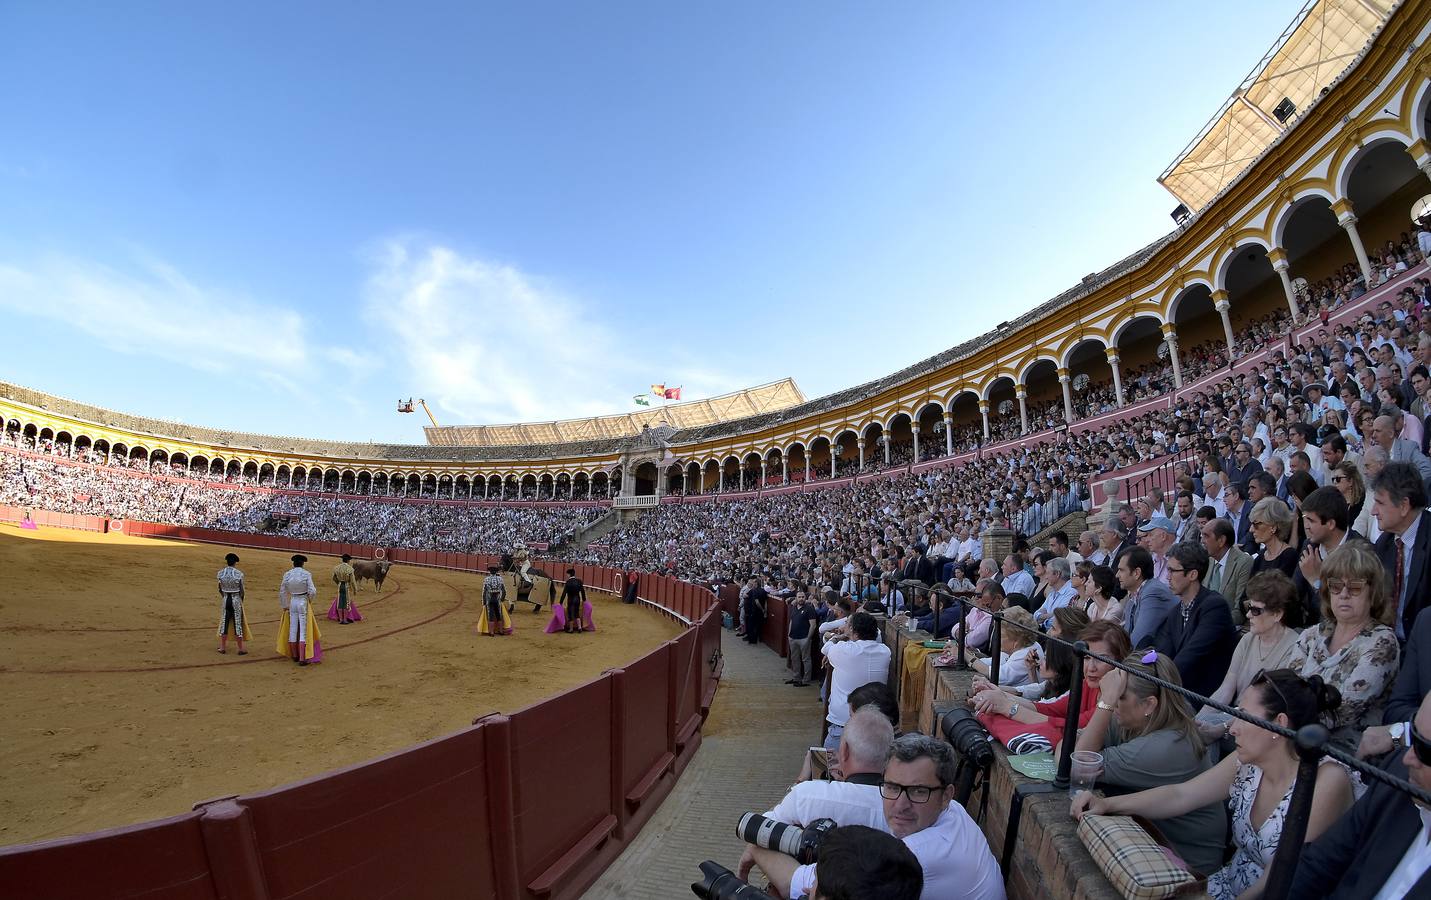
[[558, 620], [353, 613]]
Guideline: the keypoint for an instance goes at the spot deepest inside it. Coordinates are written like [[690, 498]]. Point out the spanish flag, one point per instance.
[[658, 390]]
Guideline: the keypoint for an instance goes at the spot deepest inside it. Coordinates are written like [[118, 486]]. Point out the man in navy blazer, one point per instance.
[[1198, 634], [1148, 600], [1413, 682], [1379, 844], [1399, 504]]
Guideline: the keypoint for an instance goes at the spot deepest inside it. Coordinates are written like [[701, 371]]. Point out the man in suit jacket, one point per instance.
[[1378, 843], [1148, 600], [1385, 431], [1413, 682], [1404, 547], [1229, 567], [1239, 513], [1198, 635], [1325, 517]]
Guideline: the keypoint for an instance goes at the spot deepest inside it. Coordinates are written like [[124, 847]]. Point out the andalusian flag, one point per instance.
[[640, 400], [658, 390]]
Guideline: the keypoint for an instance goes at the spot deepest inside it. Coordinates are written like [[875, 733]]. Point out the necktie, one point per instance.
[[1399, 582], [1214, 578]]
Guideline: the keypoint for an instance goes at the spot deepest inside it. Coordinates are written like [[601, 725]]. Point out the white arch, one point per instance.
[[954, 397], [1181, 295], [1284, 214], [1248, 240], [1418, 110], [1023, 377], [1140, 314], [1368, 143]]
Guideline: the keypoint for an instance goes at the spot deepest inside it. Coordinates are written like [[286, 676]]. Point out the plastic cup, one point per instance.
[[1083, 774]]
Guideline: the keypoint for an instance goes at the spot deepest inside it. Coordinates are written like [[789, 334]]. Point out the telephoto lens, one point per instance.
[[792, 840], [969, 737], [719, 883]]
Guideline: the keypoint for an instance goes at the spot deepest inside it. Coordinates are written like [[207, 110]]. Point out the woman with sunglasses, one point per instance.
[[1148, 739], [1271, 524], [1271, 602], [1352, 648], [1347, 478], [1257, 781]]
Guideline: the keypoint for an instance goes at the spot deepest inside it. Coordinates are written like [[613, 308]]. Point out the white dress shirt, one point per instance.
[[847, 804], [1020, 582], [1412, 866], [955, 857], [855, 664], [1059, 598]]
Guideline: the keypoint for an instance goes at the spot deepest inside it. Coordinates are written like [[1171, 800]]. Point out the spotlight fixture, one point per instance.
[[1285, 110], [1181, 214]]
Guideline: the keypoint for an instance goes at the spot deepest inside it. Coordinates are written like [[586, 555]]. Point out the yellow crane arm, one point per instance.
[[429, 414]]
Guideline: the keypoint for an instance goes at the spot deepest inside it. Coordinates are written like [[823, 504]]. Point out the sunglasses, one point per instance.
[[1253, 611], [1338, 587], [1263, 678], [1421, 745]]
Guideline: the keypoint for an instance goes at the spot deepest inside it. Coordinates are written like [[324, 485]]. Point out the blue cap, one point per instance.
[[1162, 522]]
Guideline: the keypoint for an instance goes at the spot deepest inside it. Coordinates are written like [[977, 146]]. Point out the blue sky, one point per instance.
[[283, 217]]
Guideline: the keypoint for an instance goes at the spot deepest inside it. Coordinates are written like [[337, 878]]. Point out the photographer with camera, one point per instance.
[[856, 863], [855, 800], [918, 792], [854, 663]]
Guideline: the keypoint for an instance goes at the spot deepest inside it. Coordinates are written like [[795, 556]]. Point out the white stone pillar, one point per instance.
[[1112, 354], [984, 411], [1170, 338], [914, 432], [884, 439], [1278, 257], [1222, 305], [948, 434], [1347, 220], [784, 469], [861, 444], [1063, 380], [1021, 391]]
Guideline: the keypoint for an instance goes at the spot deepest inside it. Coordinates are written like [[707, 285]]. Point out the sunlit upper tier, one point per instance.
[[1330, 190]]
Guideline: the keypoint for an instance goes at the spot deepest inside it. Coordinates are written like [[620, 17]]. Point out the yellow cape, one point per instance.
[[482, 620], [313, 634]]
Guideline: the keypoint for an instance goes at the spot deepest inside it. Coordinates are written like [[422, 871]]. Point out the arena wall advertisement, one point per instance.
[[474, 814]]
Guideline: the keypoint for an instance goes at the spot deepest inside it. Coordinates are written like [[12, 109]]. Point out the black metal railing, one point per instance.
[[1312, 742]]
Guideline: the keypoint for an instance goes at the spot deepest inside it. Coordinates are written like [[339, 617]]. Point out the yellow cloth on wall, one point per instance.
[[911, 684]]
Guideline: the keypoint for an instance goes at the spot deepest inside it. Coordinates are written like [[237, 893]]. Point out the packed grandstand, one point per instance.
[[1284, 328]]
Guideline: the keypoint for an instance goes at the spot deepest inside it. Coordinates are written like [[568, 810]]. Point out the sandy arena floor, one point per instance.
[[117, 708]]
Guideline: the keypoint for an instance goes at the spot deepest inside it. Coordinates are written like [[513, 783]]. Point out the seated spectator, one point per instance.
[[859, 863], [1148, 601], [1325, 518], [880, 696], [1199, 636], [1379, 848], [1257, 782], [1268, 644], [1352, 648], [1016, 643], [1148, 739], [1067, 622], [918, 791], [1016, 580], [854, 662], [852, 797], [1058, 591], [1347, 479], [1033, 728], [1405, 543], [1271, 528], [1100, 602], [1412, 683], [1229, 566]]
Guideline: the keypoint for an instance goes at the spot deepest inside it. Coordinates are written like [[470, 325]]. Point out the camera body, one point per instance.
[[719, 883], [801, 843]]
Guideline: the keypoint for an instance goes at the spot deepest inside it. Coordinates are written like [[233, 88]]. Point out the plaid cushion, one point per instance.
[[1136, 864]]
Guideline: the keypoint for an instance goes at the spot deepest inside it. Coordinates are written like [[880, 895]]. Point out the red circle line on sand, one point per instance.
[[85, 629], [461, 600]]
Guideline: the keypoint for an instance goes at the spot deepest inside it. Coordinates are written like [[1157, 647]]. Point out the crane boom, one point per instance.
[[429, 413]]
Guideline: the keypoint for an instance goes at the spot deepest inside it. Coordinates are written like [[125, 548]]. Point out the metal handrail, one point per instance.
[[1312, 742]]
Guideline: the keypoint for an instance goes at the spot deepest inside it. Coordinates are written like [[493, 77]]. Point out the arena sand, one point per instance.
[[117, 709]]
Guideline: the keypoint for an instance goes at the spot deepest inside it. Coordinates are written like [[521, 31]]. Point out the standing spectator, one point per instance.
[[802, 632], [854, 663], [755, 605]]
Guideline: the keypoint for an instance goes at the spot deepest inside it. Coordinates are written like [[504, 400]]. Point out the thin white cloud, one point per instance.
[[485, 342], [157, 312]]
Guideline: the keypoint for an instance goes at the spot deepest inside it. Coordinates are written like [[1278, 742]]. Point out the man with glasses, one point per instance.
[[1243, 465], [1198, 635], [918, 791], [1381, 847]]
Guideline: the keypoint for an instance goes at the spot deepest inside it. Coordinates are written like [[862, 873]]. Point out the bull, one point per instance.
[[376, 569]]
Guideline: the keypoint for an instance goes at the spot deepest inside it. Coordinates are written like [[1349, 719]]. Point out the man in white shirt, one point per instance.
[[952, 851], [1016, 580], [855, 663], [1060, 591], [853, 799]]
